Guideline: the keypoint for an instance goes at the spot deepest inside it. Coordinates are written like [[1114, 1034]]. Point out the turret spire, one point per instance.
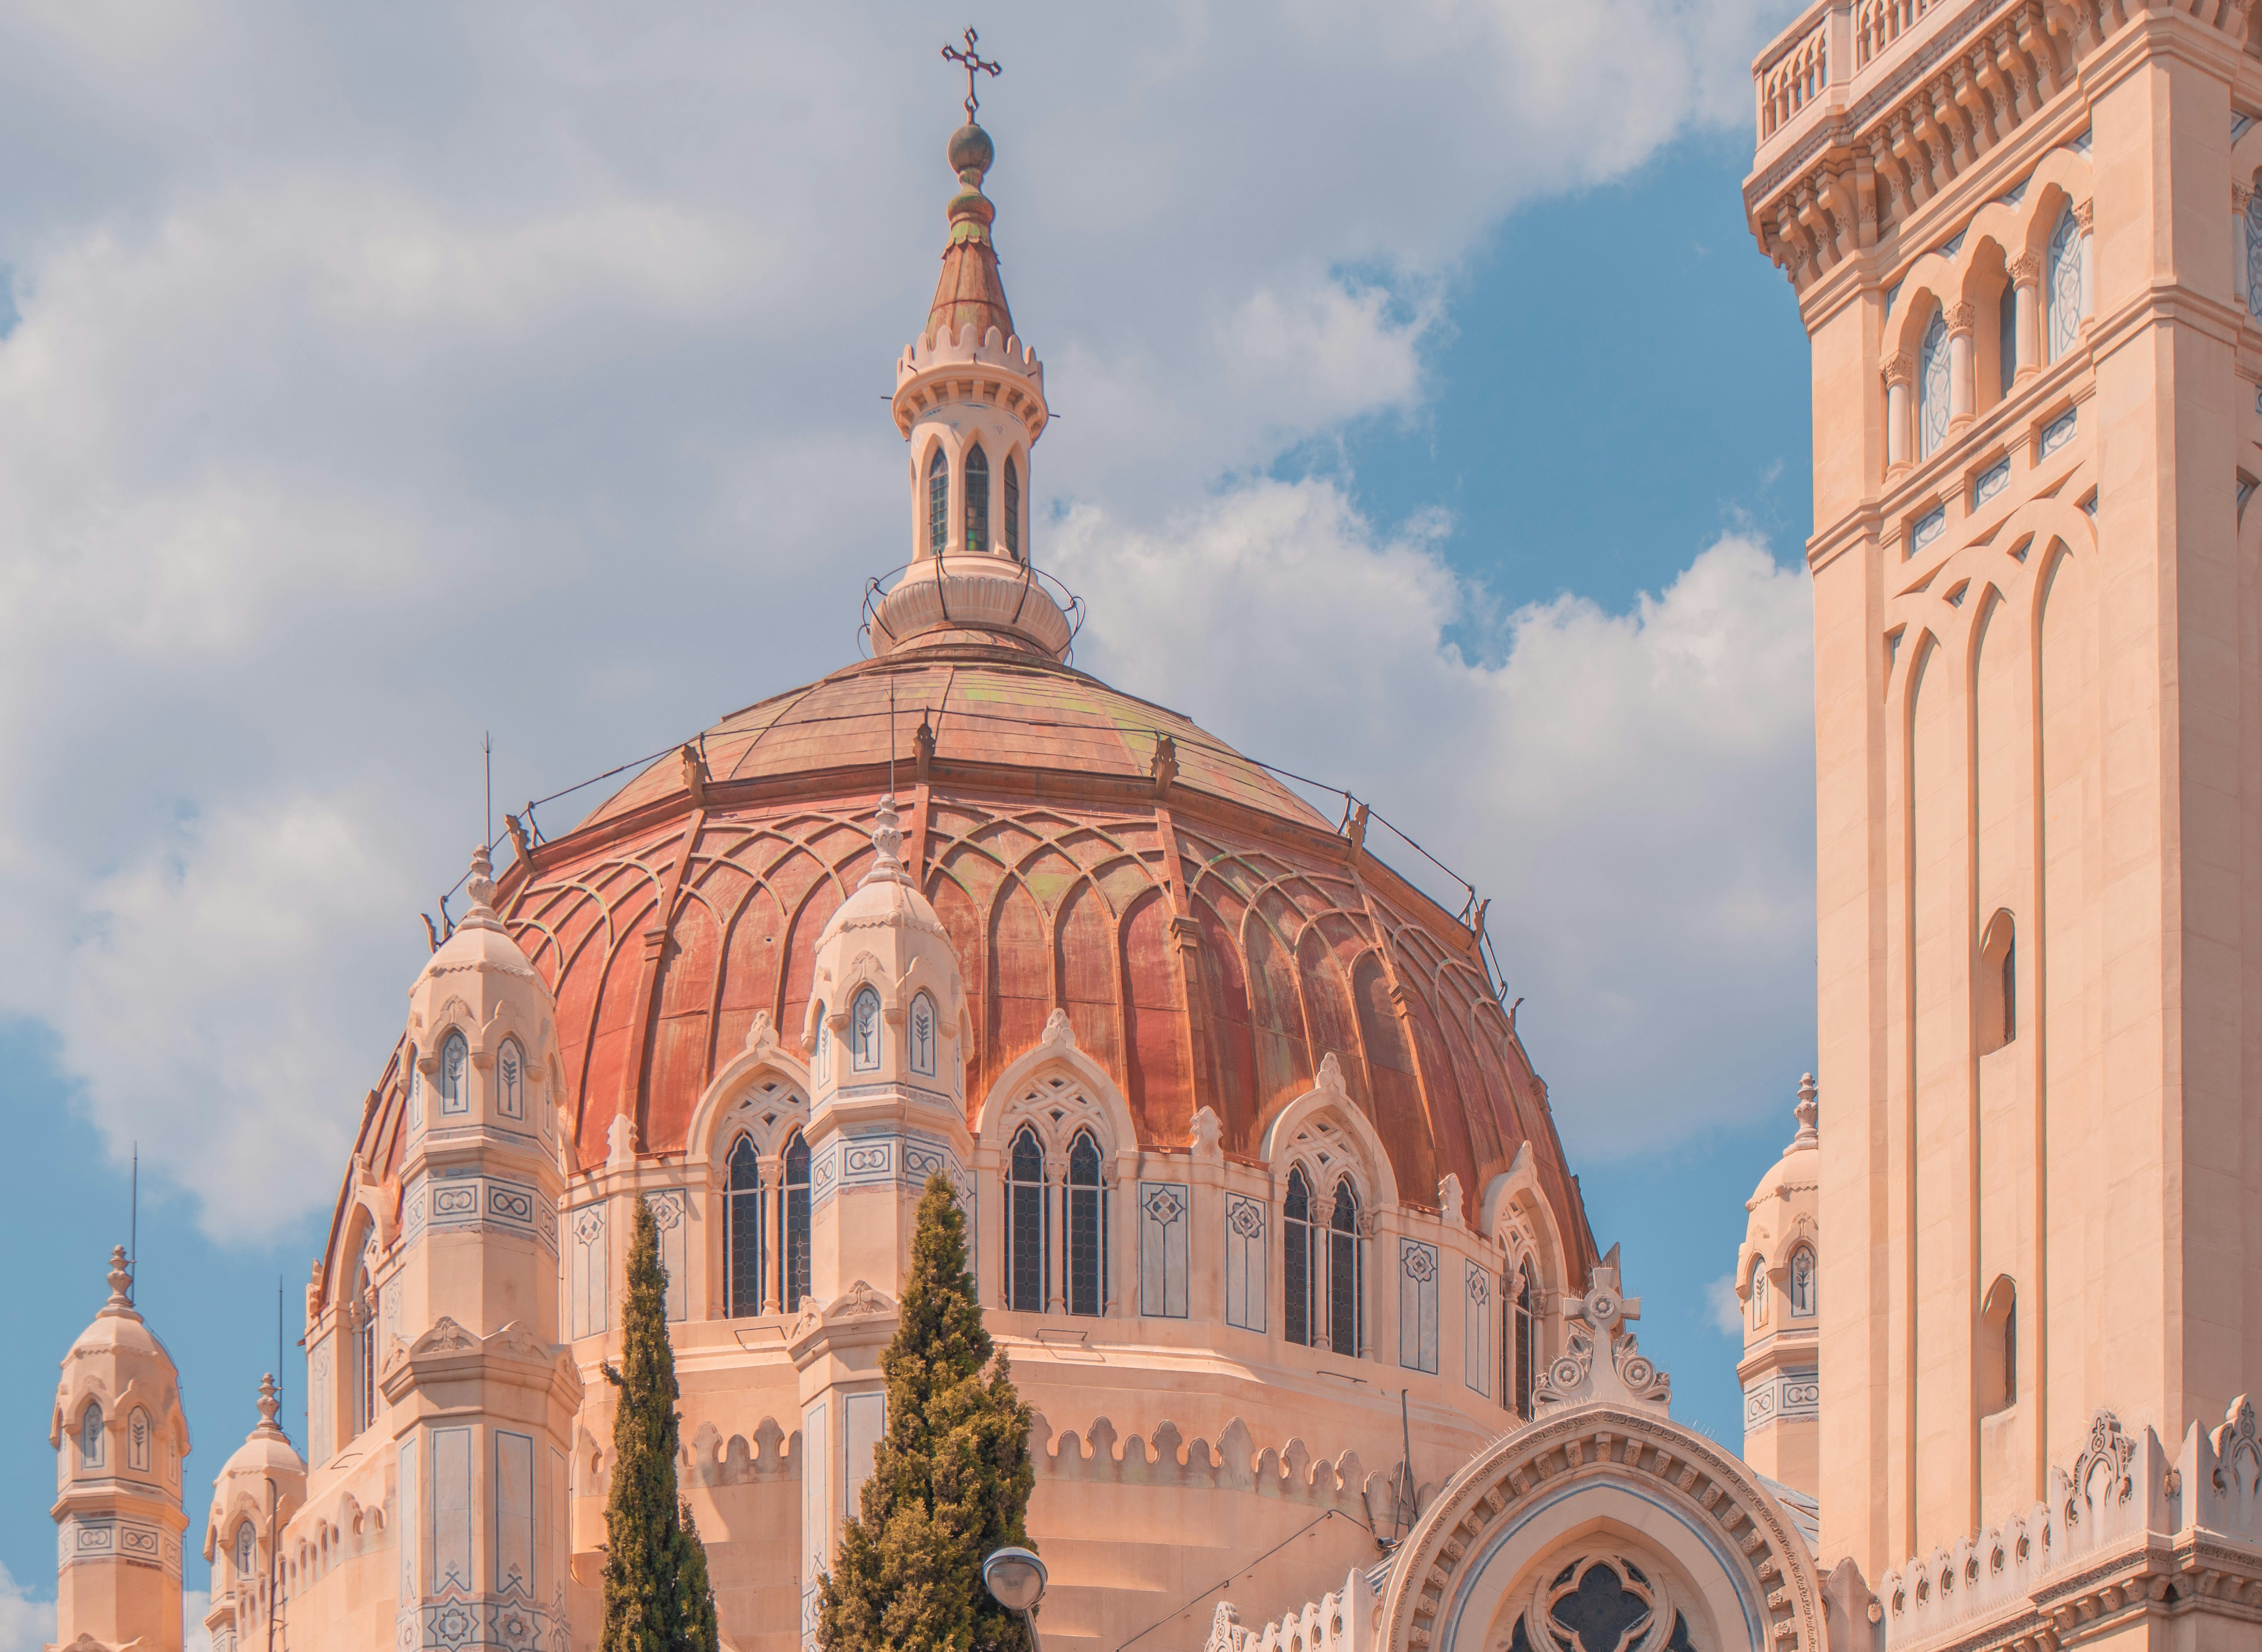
[[970, 291]]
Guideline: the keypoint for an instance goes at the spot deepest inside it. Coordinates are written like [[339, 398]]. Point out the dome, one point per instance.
[[266, 1450], [1037, 803], [1794, 1179]]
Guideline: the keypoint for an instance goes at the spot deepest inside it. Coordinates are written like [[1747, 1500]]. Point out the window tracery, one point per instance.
[[90, 1436], [1057, 1163], [938, 501], [2253, 252], [864, 1031], [246, 1552], [1759, 1293], [455, 1065], [1802, 1283], [2063, 265], [793, 1221], [510, 1079], [744, 1242], [921, 1036], [1602, 1602], [977, 500], [1932, 386], [137, 1441]]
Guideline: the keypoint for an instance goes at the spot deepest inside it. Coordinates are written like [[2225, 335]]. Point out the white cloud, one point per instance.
[[1727, 1312], [1632, 789], [194, 1636], [25, 1624], [386, 376]]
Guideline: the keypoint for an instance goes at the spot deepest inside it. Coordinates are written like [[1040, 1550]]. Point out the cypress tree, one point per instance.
[[657, 1596], [950, 1482]]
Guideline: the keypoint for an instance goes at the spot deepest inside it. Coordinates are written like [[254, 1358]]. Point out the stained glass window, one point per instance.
[[2063, 274], [1296, 1258], [1025, 1280], [1010, 521], [922, 1035], [1515, 1393], [1087, 1228], [864, 1031], [977, 498], [938, 502], [746, 1237], [794, 1216], [1932, 386], [1345, 1288]]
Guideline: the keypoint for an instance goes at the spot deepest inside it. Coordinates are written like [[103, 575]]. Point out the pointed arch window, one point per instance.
[[1802, 1283], [977, 498], [90, 1436], [922, 1036], [2062, 277], [2253, 250], [361, 1308], [1009, 521], [793, 1222], [1027, 1280], [247, 1552], [1522, 1340], [864, 1031], [455, 1072], [823, 1047], [1932, 376], [1346, 1271], [510, 1080], [416, 1092], [137, 1441], [938, 501], [744, 1241], [1296, 1259], [1759, 1293], [1087, 1228]]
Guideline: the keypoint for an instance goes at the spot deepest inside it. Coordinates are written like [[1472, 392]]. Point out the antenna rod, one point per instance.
[[891, 736], [134, 1223], [486, 820]]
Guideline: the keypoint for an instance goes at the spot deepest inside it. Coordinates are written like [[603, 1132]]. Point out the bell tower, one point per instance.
[[2024, 250]]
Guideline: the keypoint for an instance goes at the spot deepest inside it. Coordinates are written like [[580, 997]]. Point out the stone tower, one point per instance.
[[257, 1491], [2022, 236], [120, 1437], [1776, 1283]]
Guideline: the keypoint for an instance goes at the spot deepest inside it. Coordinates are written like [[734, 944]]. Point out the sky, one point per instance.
[[372, 379]]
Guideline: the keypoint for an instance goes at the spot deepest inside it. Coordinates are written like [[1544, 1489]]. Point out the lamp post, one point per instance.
[[1015, 1579]]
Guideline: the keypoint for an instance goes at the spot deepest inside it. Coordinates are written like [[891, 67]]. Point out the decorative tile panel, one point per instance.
[[513, 1515], [1476, 1327], [1165, 1219], [671, 1215], [1417, 1305], [591, 1269], [1244, 1262]]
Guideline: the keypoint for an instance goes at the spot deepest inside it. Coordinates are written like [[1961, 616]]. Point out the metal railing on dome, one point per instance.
[[1033, 579]]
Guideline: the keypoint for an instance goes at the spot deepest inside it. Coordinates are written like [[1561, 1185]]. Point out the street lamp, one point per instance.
[[1015, 1579]]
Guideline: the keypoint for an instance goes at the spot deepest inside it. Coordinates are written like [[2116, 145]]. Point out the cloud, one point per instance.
[[1630, 788], [379, 378], [194, 1603], [1727, 1312], [25, 1624]]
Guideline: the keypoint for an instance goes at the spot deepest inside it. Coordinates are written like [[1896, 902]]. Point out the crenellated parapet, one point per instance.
[[990, 370], [1235, 1463]]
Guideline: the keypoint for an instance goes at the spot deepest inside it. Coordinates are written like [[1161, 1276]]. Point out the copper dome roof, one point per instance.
[[1210, 939]]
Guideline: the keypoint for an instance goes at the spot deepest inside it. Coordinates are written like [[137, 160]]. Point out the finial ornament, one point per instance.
[[479, 884], [269, 1405], [1806, 1111], [888, 838], [973, 62], [121, 1281]]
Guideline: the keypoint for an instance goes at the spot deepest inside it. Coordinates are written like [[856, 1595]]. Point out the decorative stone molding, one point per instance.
[[1340, 1620], [1600, 1363], [771, 1454], [1234, 1464]]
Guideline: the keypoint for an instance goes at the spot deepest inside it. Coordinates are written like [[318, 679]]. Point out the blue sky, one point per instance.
[[444, 385]]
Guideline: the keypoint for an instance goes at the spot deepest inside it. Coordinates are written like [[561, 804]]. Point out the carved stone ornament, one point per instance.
[[859, 1301], [1600, 1362], [1600, 1597], [1059, 1034], [1224, 1629], [1449, 1198], [620, 1141], [762, 1034], [1209, 1131], [1330, 1081]]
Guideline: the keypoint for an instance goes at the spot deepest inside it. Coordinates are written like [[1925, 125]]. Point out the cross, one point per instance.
[[973, 61]]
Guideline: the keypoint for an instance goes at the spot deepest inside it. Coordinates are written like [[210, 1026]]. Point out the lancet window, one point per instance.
[[361, 1308], [1009, 523], [1802, 1283], [1519, 1333], [1027, 1280], [1087, 1228], [938, 502], [455, 1072], [2007, 339], [977, 498], [246, 1552], [1296, 1259], [793, 1223], [1932, 386], [137, 1441], [743, 1244], [864, 1032], [510, 1080], [416, 1092], [90, 1436], [1759, 1292], [2062, 276], [921, 1036], [1346, 1283]]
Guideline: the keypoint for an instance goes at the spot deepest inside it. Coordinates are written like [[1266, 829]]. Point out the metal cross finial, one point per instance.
[[972, 61]]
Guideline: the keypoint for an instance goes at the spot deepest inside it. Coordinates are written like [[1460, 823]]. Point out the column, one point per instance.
[[2083, 212], [1901, 374], [1961, 317], [2240, 292], [2026, 287], [773, 1221]]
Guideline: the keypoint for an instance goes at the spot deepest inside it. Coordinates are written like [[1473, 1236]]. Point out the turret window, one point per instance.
[[1009, 523], [977, 500], [1346, 1281], [361, 1309], [246, 1552], [1759, 1292], [1999, 1347], [455, 1070], [1517, 1393], [137, 1441], [1999, 983], [745, 1242], [1296, 1259], [1026, 1279], [864, 1031], [1932, 386], [416, 1092], [2063, 278], [1087, 1228], [938, 502], [794, 1224], [90, 1436], [1802, 1283], [922, 1036], [510, 1080]]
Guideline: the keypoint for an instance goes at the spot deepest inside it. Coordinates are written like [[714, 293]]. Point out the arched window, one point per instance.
[[247, 1551], [745, 1242], [1296, 1258], [1999, 983], [1802, 1283], [416, 1092], [1521, 1329], [1010, 521], [864, 1031], [1759, 1292], [2253, 249], [1087, 1228], [1025, 1275], [2062, 278], [137, 1441], [2007, 339], [90, 1436], [510, 1080], [977, 498], [1999, 1347], [455, 1070], [938, 502], [1346, 1288], [361, 1308], [823, 1047], [922, 1036], [793, 1215], [1932, 386]]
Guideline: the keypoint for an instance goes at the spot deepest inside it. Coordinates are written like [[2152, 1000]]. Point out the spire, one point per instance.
[[121, 1286], [1806, 1111], [970, 291]]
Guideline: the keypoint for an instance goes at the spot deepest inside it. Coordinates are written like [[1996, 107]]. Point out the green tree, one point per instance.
[[951, 1481], [657, 1596]]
